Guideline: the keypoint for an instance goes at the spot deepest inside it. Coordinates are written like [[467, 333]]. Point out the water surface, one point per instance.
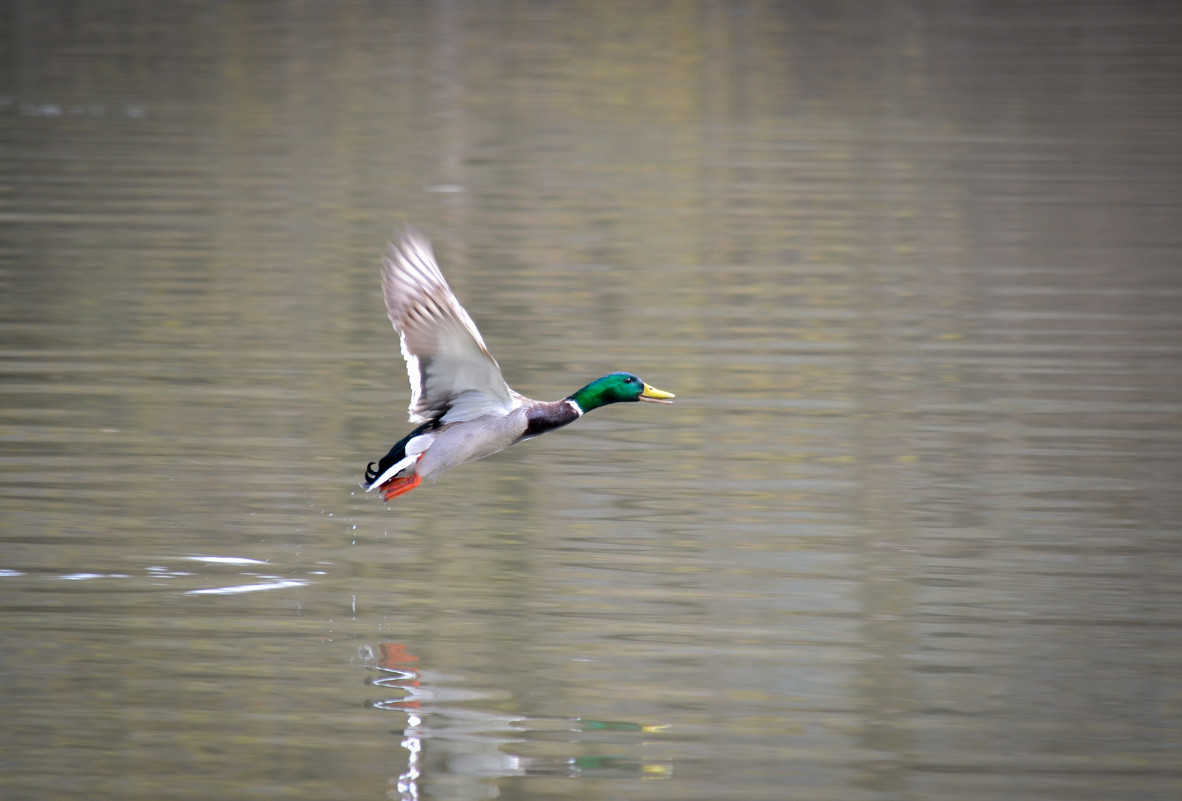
[[910, 530]]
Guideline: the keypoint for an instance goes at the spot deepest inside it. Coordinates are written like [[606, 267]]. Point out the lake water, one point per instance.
[[910, 531]]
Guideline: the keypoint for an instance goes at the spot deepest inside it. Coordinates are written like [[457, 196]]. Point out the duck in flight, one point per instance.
[[464, 409]]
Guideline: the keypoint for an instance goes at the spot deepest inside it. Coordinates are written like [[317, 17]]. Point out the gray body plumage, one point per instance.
[[459, 443]]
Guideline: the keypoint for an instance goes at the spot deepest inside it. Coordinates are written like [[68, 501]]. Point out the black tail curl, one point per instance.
[[397, 453]]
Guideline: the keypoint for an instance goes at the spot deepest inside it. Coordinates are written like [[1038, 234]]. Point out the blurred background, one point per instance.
[[910, 530]]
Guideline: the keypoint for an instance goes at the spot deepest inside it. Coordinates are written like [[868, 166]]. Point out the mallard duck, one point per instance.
[[464, 409]]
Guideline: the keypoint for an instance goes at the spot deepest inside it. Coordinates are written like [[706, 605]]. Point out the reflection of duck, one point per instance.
[[462, 741], [465, 409]]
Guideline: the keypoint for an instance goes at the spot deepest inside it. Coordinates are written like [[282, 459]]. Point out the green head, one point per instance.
[[617, 388]]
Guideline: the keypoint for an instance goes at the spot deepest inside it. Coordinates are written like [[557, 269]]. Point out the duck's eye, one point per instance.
[[629, 380]]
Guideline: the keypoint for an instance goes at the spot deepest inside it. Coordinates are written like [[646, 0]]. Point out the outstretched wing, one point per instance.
[[453, 377]]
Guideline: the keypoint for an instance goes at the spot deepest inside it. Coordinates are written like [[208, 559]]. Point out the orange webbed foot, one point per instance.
[[400, 486]]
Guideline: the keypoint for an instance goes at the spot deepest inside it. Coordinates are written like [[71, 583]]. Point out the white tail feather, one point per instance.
[[390, 472]]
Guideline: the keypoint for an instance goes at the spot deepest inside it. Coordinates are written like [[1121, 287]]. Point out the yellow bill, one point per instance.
[[654, 395]]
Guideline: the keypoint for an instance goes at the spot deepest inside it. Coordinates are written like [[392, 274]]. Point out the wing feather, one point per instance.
[[453, 377]]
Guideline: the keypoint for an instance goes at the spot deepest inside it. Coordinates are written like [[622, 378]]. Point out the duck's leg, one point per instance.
[[400, 486]]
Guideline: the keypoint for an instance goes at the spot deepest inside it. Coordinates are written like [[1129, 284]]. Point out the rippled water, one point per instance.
[[910, 530]]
